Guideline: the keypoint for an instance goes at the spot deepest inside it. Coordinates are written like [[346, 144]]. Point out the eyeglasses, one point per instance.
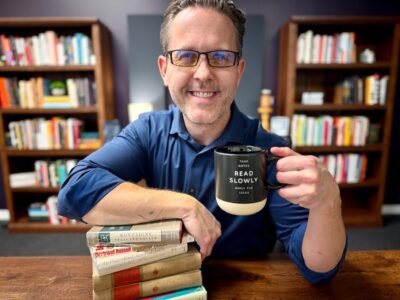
[[216, 58]]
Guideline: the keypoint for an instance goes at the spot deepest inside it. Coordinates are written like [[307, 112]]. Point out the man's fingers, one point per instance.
[[291, 193], [289, 177], [283, 151], [297, 163]]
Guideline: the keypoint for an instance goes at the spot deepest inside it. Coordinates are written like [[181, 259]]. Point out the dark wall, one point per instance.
[[114, 14]]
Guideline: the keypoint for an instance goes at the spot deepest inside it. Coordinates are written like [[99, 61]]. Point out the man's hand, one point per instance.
[[309, 184], [204, 227]]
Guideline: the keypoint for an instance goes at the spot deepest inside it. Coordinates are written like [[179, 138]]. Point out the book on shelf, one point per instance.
[[164, 231], [23, 179], [47, 48], [38, 212], [188, 261], [346, 168], [52, 173], [47, 212], [46, 134], [326, 130], [35, 92], [317, 48], [152, 287]]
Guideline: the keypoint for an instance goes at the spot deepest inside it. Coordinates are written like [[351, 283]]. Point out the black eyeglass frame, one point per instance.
[[238, 55]]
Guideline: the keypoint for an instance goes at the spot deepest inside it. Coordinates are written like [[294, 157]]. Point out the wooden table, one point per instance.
[[364, 275]]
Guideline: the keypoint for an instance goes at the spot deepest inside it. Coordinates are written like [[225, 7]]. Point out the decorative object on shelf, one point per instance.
[[265, 108], [280, 125], [312, 98], [58, 88], [367, 56]]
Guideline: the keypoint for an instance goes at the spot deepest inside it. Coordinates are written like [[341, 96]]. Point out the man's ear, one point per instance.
[[162, 67], [240, 70]]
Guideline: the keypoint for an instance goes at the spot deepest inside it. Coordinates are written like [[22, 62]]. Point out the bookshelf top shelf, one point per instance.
[[343, 66], [345, 20], [66, 68], [47, 21], [47, 111]]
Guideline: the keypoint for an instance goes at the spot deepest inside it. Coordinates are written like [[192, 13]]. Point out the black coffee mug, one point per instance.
[[240, 178]]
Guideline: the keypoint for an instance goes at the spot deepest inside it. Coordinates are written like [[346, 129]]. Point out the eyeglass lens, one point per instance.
[[190, 58]]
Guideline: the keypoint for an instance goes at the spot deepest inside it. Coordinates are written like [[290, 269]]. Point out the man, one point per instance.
[[173, 151]]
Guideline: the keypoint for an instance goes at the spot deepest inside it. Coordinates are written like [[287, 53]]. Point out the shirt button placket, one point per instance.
[[193, 177]]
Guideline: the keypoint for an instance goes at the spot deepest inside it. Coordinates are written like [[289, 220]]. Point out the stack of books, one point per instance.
[[155, 260]]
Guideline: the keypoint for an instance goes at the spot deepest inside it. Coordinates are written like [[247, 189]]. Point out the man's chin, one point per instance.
[[200, 119]]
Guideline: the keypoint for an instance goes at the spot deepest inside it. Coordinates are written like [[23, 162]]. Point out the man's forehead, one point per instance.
[[201, 26]]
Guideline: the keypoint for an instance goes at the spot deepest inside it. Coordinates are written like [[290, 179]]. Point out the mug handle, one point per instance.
[[272, 158]]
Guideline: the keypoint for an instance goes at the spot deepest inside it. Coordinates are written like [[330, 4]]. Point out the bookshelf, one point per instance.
[[96, 70], [362, 201]]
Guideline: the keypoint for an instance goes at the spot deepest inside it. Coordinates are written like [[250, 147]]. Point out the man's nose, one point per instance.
[[203, 70]]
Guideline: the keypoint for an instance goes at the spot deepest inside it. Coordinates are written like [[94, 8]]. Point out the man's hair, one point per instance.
[[226, 7]]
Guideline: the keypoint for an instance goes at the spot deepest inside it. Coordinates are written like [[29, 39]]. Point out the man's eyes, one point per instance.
[[186, 55], [221, 56]]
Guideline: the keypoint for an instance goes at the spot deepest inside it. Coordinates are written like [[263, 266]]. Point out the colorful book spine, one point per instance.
[[193, 293], [151, 287], [178, 264]]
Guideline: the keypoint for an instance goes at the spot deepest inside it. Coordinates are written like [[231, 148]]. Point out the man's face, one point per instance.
[[202, 93]]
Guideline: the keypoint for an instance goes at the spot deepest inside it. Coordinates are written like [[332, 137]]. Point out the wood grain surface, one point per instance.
[[364, 275]]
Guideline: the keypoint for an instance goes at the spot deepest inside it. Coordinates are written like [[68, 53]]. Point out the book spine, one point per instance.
[[110, 264], [101, 251], [128, 235], [193, 293], [166, 267], [151, 287]]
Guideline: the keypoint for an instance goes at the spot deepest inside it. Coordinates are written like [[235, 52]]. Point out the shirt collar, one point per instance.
[[234, 132]]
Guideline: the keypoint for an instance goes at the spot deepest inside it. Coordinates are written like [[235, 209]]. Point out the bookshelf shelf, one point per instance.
[[48, 111], [339, 149], [43, 69], [347, 66], [94, 66], [362, 201], [47, 153], [361, 218], [338, 107], [23, 225], [35, 189], [370, 183]]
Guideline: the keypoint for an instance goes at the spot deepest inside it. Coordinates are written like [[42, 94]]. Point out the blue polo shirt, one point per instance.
[[158, 148]]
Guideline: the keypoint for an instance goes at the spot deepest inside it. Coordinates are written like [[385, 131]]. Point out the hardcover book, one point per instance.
[[193, 293], [151, 287], [162, 268], [124, 260], [166, 231], [106, 247]]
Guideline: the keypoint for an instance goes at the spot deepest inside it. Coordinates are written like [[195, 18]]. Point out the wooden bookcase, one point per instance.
[[362, 201], [93, 116]]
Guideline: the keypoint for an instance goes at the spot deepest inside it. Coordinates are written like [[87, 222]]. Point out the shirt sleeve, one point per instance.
[[291, 223], [122, 159]]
